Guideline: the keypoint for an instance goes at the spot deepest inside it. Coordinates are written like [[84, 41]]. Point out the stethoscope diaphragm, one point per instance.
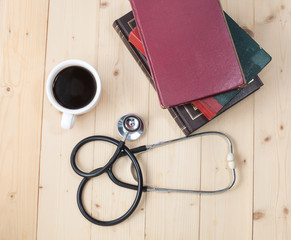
[[132, 125]]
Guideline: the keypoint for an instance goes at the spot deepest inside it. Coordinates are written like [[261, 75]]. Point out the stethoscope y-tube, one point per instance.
[[120, 147], [121, 151]]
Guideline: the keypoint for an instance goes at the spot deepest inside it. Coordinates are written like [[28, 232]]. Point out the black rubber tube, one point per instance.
[[106, 168], [123, 184], [101, 170]]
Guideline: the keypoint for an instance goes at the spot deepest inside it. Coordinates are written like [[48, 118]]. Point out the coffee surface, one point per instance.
[[74, 87]]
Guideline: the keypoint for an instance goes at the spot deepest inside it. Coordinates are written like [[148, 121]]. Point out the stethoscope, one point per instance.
[[131, 127]]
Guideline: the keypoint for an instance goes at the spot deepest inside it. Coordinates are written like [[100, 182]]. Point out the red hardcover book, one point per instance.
[[208, 106], [204, 65], [134, 38]]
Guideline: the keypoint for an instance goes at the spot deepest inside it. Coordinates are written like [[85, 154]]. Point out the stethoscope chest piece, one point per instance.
[[132, 125]]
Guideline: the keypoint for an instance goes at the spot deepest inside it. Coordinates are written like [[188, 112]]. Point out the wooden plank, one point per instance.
[[125, 90], [229, 215], [73, 33], [174, 215], [272, 192], [22, 45]]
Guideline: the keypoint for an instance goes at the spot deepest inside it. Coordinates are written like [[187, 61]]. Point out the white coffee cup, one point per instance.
[[69, 115]]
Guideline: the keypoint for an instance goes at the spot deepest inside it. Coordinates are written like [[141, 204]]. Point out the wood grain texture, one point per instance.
[[272, 192], [70, 24], [229, 215], [34, 150], [22, 45], [171, 215]]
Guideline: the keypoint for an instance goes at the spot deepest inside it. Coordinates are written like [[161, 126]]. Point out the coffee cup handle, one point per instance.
[[68, 120]]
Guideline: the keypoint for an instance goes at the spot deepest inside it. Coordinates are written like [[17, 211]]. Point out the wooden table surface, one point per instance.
[[38, 186]]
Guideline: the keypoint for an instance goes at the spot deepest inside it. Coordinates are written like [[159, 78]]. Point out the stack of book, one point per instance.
[[194, 106]]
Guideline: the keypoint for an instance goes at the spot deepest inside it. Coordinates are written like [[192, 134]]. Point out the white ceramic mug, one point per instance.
[[69, 115]]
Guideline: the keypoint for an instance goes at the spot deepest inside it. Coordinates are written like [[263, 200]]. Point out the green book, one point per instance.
[[252, 57]]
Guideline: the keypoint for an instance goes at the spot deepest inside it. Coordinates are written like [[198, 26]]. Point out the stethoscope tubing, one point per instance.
[[87, 176], [98, 171], [121, 151]]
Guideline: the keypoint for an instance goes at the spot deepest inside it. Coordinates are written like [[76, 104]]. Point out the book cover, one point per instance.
[[187, 116], [252, 57], [205, 64]]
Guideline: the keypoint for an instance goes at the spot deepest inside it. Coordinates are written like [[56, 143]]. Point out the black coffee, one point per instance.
[[74, 87]]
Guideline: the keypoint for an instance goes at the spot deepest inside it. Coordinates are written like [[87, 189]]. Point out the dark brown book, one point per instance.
[[187, 116]]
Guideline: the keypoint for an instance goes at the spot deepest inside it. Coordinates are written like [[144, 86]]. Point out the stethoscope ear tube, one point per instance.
[[120, 147]]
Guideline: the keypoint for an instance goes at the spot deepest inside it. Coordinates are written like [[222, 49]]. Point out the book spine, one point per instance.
[[179, 121], [129, 47], [176, 116]]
